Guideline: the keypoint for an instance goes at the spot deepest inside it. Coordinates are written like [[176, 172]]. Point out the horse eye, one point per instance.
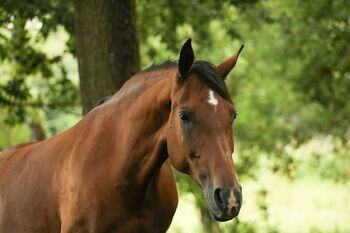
[[235, 114], [184, 116]]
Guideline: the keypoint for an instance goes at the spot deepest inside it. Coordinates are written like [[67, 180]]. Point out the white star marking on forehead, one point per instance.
[[212, 100]]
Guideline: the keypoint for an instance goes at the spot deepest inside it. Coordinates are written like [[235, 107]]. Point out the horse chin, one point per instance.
[[219, 217]]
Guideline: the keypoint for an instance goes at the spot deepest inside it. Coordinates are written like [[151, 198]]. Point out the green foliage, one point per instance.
[[34, 79], [9, 134], [317, 35]]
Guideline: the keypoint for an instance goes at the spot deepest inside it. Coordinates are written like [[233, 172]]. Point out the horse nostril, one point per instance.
[[228, 200], [218, 198], [235, 211]]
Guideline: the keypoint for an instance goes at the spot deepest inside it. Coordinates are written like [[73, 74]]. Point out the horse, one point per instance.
[[111, 172]]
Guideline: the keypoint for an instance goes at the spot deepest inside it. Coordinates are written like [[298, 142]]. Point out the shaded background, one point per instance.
[[291, 87]]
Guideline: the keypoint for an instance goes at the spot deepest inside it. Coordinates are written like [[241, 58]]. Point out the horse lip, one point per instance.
[[221, 215], [223, 219]]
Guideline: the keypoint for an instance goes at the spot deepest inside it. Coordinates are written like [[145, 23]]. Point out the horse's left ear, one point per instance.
[[225, 67], [186, 59]]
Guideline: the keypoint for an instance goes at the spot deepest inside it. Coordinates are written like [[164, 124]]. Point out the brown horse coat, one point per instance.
[[110, 172]]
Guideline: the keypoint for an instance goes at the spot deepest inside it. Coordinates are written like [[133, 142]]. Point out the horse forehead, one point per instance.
[[198, 94], [212, 99], [196, 88], [212, 108]]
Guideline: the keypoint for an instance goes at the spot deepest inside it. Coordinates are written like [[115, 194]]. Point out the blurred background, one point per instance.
[[291, 87]]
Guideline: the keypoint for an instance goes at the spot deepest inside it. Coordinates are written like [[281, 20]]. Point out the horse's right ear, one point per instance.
[[225, 67], [186, 59]]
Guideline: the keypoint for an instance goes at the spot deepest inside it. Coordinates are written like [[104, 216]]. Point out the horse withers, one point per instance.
[[111, 171]]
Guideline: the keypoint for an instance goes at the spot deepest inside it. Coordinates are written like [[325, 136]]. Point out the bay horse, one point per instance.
[[111, 171]]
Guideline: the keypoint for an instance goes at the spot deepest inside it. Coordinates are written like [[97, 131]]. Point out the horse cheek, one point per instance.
[[176, 154]]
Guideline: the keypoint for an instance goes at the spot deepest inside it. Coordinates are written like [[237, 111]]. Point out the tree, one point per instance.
[[107, 47]]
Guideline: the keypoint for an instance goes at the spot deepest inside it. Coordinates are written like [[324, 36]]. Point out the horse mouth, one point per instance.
[[219, 215]]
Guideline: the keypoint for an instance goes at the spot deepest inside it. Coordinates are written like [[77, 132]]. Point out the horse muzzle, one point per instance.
[[224, 202]]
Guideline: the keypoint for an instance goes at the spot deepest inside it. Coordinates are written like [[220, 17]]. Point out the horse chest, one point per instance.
[[160, 203], [128, 213]]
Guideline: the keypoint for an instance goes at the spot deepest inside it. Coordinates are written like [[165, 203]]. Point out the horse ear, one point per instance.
[[186, 59], [225, 67]]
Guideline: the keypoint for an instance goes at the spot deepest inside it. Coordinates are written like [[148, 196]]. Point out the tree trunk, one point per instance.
[[37, 132], [107, 47]]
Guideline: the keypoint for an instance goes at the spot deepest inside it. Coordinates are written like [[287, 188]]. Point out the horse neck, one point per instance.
[[138, 127]]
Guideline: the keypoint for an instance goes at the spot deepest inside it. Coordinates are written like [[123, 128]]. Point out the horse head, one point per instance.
[[199, 131]]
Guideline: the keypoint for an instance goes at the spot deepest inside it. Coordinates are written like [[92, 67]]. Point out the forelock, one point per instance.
[[208, 74]]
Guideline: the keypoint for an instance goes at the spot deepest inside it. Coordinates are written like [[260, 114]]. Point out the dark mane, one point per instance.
[[164, 65], [206, 72]]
